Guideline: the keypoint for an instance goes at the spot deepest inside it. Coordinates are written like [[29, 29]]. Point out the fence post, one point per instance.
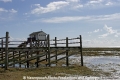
[[2, 50], [48, 38], [20, 59], [13, 59], [81, 50], [56, 50], [31, 46], [2, 43], [6, 51], [67, 62], [37, 65], [27, 52], [46, 50]]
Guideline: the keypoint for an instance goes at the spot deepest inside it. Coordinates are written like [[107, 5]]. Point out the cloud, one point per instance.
[[78, 18], [100, 43], [109, 3], [6, 0], [109, 31], [97, 30], [77, 6], [3, 10], [71, 5], [64, 19], [97, 4], [56, 5], [49, 8], [13, 11], [95, 1], [72, 0]]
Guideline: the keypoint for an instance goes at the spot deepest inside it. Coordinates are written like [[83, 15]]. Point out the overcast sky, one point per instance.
[[98, 21]]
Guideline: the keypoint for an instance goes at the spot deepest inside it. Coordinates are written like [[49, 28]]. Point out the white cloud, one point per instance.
[[53, 6], [97, 4], [49, 8], [109, 3], [109, 31], [97, 30], [106, 17], [3, 10], [6, 0], [73, 0], [13, 11], [95, 1], [103, 35], [100, 43], [78, 18], [78, 6], [71, 4], [64, 19]]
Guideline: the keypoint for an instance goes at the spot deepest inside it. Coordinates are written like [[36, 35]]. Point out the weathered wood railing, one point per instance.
[[18, 55]]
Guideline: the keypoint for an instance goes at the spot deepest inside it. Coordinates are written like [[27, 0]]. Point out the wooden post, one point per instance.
[[19, 59], [81, 50], [46, 50], [37, 65], [6, 51], [30, 42], [2, 51], [39, 44], [13, 59], [56, 50], [2, 43], [67, 61], [48, 39], [27, 58], [31, 45]]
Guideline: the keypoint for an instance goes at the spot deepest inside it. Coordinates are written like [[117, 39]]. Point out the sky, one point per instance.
[[98, 21]]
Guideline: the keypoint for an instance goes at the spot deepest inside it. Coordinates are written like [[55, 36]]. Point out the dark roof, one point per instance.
[[37, 33]]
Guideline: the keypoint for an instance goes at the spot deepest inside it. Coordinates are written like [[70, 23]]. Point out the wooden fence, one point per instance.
[[10, 56]]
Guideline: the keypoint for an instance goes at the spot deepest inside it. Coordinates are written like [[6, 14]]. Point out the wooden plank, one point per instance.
[[11, 49], [52, 56], [28, 59], [2, 37], [74, 38], [60, 58]]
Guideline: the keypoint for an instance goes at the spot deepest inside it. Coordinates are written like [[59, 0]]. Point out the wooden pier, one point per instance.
[[23, 52]]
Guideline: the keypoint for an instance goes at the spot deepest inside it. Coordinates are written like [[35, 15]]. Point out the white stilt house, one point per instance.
[[40, 35]]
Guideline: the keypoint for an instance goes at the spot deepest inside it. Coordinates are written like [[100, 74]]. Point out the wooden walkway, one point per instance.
[[38, 51]]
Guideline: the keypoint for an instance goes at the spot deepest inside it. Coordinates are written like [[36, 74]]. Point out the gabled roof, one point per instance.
[[34, 33]]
